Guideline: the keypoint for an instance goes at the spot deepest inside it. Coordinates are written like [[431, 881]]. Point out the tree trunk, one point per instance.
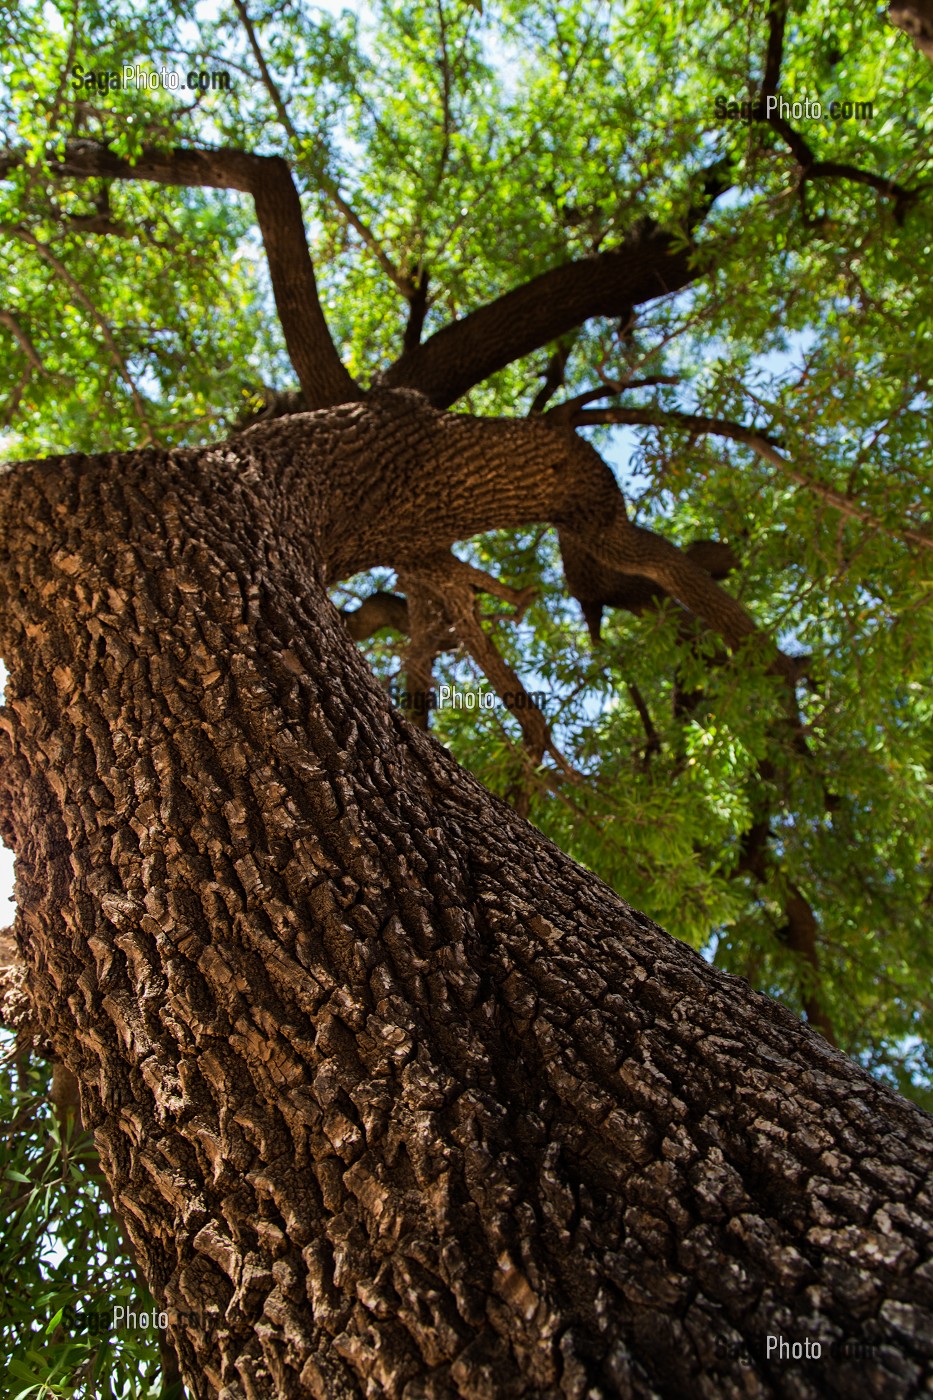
[[395, 1099]]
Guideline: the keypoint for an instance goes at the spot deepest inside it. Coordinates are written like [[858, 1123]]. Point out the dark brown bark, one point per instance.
[[378, 611], [417, 310], [777, 19], [648, 265], [424, 479], [65, 1097], [915, 17], [396, 1100]]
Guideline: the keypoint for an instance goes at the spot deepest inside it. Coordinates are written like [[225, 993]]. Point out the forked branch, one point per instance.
[[811, 168], [649, 264], [323, 378]]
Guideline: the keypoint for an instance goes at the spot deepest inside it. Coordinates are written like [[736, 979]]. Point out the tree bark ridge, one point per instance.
[[405, 481]]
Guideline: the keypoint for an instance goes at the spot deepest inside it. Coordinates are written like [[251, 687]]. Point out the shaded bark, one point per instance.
[[394, 1098], [378, 611], [417, 311], [597, 587], [405, 481]]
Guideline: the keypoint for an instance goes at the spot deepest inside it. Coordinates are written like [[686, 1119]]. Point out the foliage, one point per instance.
[[63, 1264]]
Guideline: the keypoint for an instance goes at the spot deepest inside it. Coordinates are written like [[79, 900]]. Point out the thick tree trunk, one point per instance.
[[395, 1099]]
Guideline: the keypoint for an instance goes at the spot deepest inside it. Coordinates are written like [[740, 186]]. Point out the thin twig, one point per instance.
[[84, 300], [759, 443], [330, 188], [445, 94], [29, 350]]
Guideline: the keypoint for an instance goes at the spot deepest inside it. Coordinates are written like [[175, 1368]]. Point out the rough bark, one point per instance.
[[65, 1097], [405, 481], [395, 1099]]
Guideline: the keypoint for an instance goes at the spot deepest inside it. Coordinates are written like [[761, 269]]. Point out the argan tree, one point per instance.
[[391, 1096]]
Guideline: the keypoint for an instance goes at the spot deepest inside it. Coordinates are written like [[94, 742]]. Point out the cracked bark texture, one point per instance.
[[395, 1099]]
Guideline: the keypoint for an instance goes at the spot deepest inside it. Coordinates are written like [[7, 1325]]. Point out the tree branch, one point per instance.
[[553, 376], [330, 188], [25, 343], [653, 744], [430, 632], [16, 397], [597, 587], [536, 735], [568, 409], [323, 378], [417, 310], [490, 474], [649, 264], [915, 17], [840, 170], [777, 16], [799, 932], [377, 611], [445, 95], [812, 168], [758, 442]]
